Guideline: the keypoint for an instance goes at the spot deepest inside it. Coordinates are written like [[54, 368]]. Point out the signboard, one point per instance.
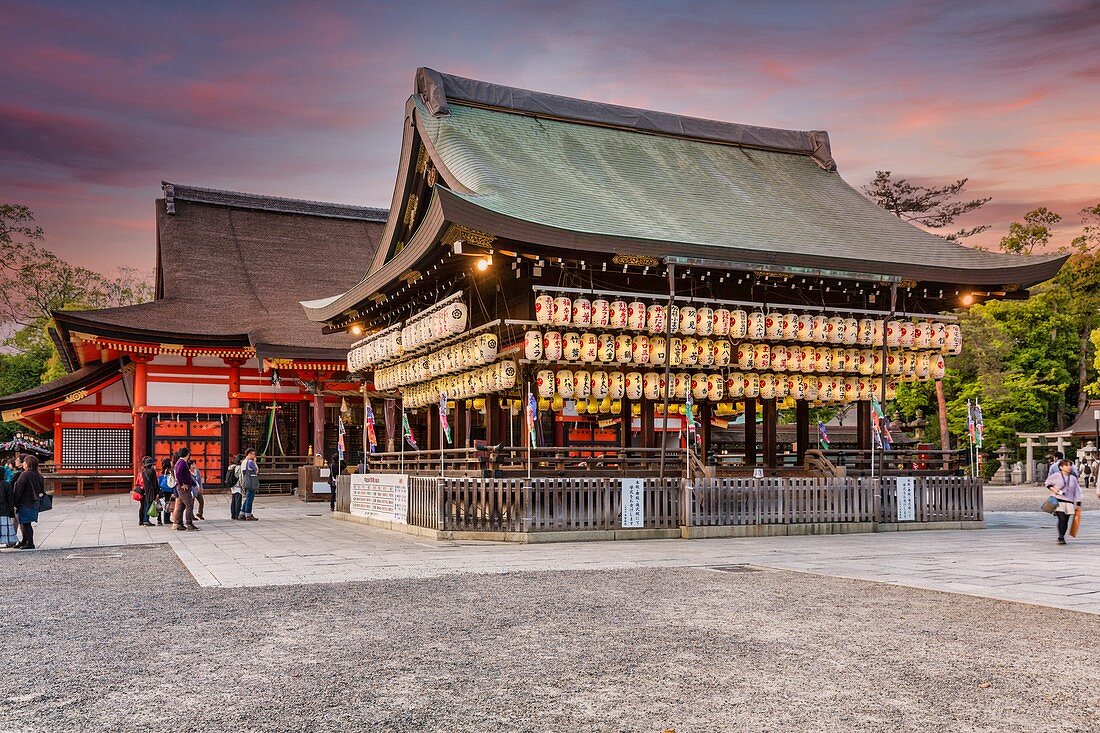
[[907, 503], [322, 487], [633, 503], [382, 496]]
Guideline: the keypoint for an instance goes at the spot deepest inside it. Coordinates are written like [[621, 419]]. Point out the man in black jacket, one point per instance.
[[150, 487]]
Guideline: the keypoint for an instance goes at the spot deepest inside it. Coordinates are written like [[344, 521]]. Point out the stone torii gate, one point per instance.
[[1061, 441]]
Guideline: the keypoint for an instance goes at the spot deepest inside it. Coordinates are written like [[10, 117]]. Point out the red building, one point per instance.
[[223, 358]]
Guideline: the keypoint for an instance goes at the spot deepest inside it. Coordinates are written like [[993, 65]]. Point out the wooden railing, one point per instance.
[[937, 499], [745, 501], [905, 462], [512, 461]]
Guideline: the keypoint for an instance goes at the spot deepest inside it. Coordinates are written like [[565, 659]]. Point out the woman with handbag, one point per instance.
[[150, 488], [196, 476], [29, 490], [250, 481], [7, 513], [1066, 490]]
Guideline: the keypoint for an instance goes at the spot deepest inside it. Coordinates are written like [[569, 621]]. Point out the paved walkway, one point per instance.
[[1015, 559]]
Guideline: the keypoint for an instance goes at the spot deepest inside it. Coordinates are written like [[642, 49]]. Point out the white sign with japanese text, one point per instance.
[[633, 503], [383, 496], [907, 498]]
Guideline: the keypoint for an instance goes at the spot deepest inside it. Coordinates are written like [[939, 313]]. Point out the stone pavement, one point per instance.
[[1015, 559]]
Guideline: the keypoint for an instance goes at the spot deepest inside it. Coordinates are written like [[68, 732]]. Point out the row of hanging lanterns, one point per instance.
[[443, 320], [484, 380], [690, 351], [604, 406], [477, 351], [714, 387], [739, 324]]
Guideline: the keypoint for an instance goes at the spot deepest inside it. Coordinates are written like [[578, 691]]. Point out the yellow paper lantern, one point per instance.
[[616, 406], [635, 410], [558, 403], [544, 404], [605, 404]]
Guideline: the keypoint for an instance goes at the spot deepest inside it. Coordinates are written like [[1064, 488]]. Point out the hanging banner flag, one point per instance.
[[979, 423], [368, 424], [532, 417], [407, 430], [340, 431], [970, 420], [443, 422], [880, 425], [689, 413], [823, 441]]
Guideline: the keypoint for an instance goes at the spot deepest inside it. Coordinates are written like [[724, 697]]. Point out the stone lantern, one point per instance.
[[1004, 472]]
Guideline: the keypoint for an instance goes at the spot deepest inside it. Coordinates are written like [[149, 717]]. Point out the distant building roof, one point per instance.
[[584, 176], [232, 267]]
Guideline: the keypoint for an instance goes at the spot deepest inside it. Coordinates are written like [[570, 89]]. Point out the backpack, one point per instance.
[[232, 476], [170, 479]]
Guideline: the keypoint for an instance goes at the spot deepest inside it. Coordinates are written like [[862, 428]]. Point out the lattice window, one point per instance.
[[96, 448]]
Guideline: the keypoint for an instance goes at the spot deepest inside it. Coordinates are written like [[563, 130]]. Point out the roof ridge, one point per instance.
[[438, 89], [265, 202]]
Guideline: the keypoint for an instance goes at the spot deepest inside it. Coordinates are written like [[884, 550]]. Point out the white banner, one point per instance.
[[382, 496], [633, 497]]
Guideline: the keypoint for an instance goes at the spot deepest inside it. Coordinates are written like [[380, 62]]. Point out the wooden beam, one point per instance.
[[769, 438], [802, 429], [863, 425], [750, 431]]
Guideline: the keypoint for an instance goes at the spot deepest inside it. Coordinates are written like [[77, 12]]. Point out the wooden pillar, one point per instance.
[[433, 429], [303, 428], [141, 396], [648, 431], [234, 404], [493, 431], [863, 425], [705, 410], [802, 429], [750, 431], [770, 436], [625, 421], [461, 423], [57, 441], [319, 421]]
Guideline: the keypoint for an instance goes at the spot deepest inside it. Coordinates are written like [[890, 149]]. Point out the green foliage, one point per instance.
[[934, 207], [19, 372], [1033, 233], [1089, 239]]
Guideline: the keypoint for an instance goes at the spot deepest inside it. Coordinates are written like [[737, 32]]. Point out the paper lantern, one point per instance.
[[487, 344], [794, 359], [704, 321], [633, 383], [778, 361], [773, 326], [908, 363], [571, 346], [767, 386], [781, 387], [851, 360], [953, 342], [939, 335], [616, 385], [923, 368], [722, 322], [716, 387], [623, 346], [804, 327], [938, 366], [651, 384], [562, 312], [543, 404], [601, 312], [922, 335], [823, 359], [605, 348], [658, 350], [544, 383], [635, 315], [757, 326], [820, 331], [905, 334], [834, 330], [563, 384], [674, 319], [762, 356], [618, 314], [705, 352], [876, 362], [590, 347], [605, 405], [506, 372], [750, 384], [656, 319], [893, 333], [865, 332], [746, 356], [681, 381], [675, 351], [639, 349], [698, 385], [688, 320], [723, 353], [851, 332], [878, 332], [866, 363], [582, 311], [891, 390], [689, 351], [582, 384], [796, 386], [807, 358], [616, 407], [551, 346], [893, 363], [600, 384], [864, 389], [557, 403], [455, 318], [824, 389], [739, 324], [735, 384], [839, 360]]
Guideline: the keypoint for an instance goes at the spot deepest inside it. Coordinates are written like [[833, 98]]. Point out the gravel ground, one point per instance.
[[1027, 498], [103, 640]]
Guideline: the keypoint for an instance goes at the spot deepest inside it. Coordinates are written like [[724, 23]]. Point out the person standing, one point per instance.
[[233, 483], [250, 481], [8, 536], [183, 516], [9, 471], [28, 488], [196, 476], [1064, 487], [150, 488]]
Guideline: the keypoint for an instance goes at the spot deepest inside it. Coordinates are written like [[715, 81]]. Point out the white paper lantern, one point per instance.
[[551, 346], [953, 342], [688, 320], [656, 319], [767, 386], [735, 384], [739, 324], [746, 356], [762, 357], [675, 351], [723, 353], [571, 346], [789, 327], [544, 382], [893, 333], [605, 347], [779, 355], [582, 311], [639, 349], [750, 385], [839, 362], [601, 312], [616, 385], [905, 334], [689, 351], [618, 317], [582, 384], [821, 329], [674, 319], [635, 316], [834, 330], [681, 381], [757, 326], [924, 365], [658, 350], [939, 335], [773, 326], [633, 384], [705, 352], [600, 384], [699, 385], [716, 387], [938, 366], [922, 335], [508, 373], [851, 332], [487, 345], [623, 347], [650, 385], [722, 322], [563, 311], [823, 359], [794, 359], [590, 348], [805, 328], [704, 321], [563, 384], [807, 357]]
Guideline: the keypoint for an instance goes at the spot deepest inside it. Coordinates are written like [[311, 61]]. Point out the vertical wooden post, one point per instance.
[[705, 430], [234, 404], [802, 430], [57, 441], [493, 412], [770, 438], [319, 421], [303, 428], [433, 429], [460, 422], [626, 419], [863, 425], [648, 431], [750, 431], [141, 397]]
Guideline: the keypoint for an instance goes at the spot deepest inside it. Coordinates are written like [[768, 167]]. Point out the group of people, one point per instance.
[[174, 494], [21, 492], [1064, 483]]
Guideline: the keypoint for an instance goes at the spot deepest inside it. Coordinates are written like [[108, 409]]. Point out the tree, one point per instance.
[[1034, 233], [1089, 239], [934, 207]]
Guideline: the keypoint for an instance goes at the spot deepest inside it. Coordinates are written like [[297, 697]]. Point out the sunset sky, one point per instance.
[[102, 100]]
